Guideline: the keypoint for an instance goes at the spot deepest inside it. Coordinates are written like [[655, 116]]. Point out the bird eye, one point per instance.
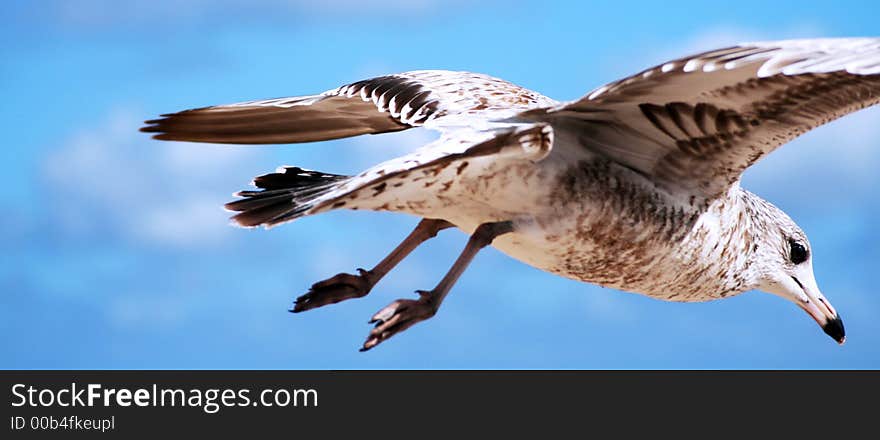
[[798, 253]]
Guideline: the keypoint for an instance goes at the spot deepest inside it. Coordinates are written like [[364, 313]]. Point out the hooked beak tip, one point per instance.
[[834, 328]]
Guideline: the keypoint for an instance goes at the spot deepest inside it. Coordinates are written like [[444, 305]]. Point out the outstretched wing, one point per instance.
[[695, 124], [377, 105], [293, 192]]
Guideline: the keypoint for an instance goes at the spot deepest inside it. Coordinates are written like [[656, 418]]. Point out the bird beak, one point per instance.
[[805, 293], [825, 315]]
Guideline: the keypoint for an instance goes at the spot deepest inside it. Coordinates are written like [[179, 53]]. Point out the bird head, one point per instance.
[[784, 260]]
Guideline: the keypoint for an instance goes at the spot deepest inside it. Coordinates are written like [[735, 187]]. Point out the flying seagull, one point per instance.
[[635, 186]]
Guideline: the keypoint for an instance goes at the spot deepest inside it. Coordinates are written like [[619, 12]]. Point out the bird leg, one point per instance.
[[346, 286], [404, 313]]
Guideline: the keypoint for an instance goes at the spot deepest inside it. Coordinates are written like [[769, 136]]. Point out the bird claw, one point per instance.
[[337, 288], [399, 316]]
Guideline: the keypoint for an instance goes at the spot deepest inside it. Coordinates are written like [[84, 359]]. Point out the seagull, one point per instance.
[[635, 186]]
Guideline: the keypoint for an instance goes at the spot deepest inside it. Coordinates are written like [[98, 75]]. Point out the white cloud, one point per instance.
[[200, 160], [188, 222], [166, 194], [110, 178]]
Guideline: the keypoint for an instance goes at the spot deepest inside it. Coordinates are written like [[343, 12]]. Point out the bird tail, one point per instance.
[[284, 196]]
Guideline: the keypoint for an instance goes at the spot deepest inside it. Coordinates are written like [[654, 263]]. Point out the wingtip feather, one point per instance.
[[149, 129]]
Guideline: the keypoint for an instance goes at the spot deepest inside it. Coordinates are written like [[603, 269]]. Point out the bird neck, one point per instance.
[[722, 241]]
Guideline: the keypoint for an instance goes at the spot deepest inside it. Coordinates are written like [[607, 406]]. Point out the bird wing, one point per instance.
[[387, 103], [694, 124], [438, 163]]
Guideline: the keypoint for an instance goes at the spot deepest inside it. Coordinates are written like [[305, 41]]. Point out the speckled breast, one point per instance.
[[595, 222]]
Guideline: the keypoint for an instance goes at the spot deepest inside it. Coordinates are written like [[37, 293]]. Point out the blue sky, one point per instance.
[[117, 253]]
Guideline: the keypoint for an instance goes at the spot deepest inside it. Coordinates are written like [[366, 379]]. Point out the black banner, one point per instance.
[[50, 404]]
